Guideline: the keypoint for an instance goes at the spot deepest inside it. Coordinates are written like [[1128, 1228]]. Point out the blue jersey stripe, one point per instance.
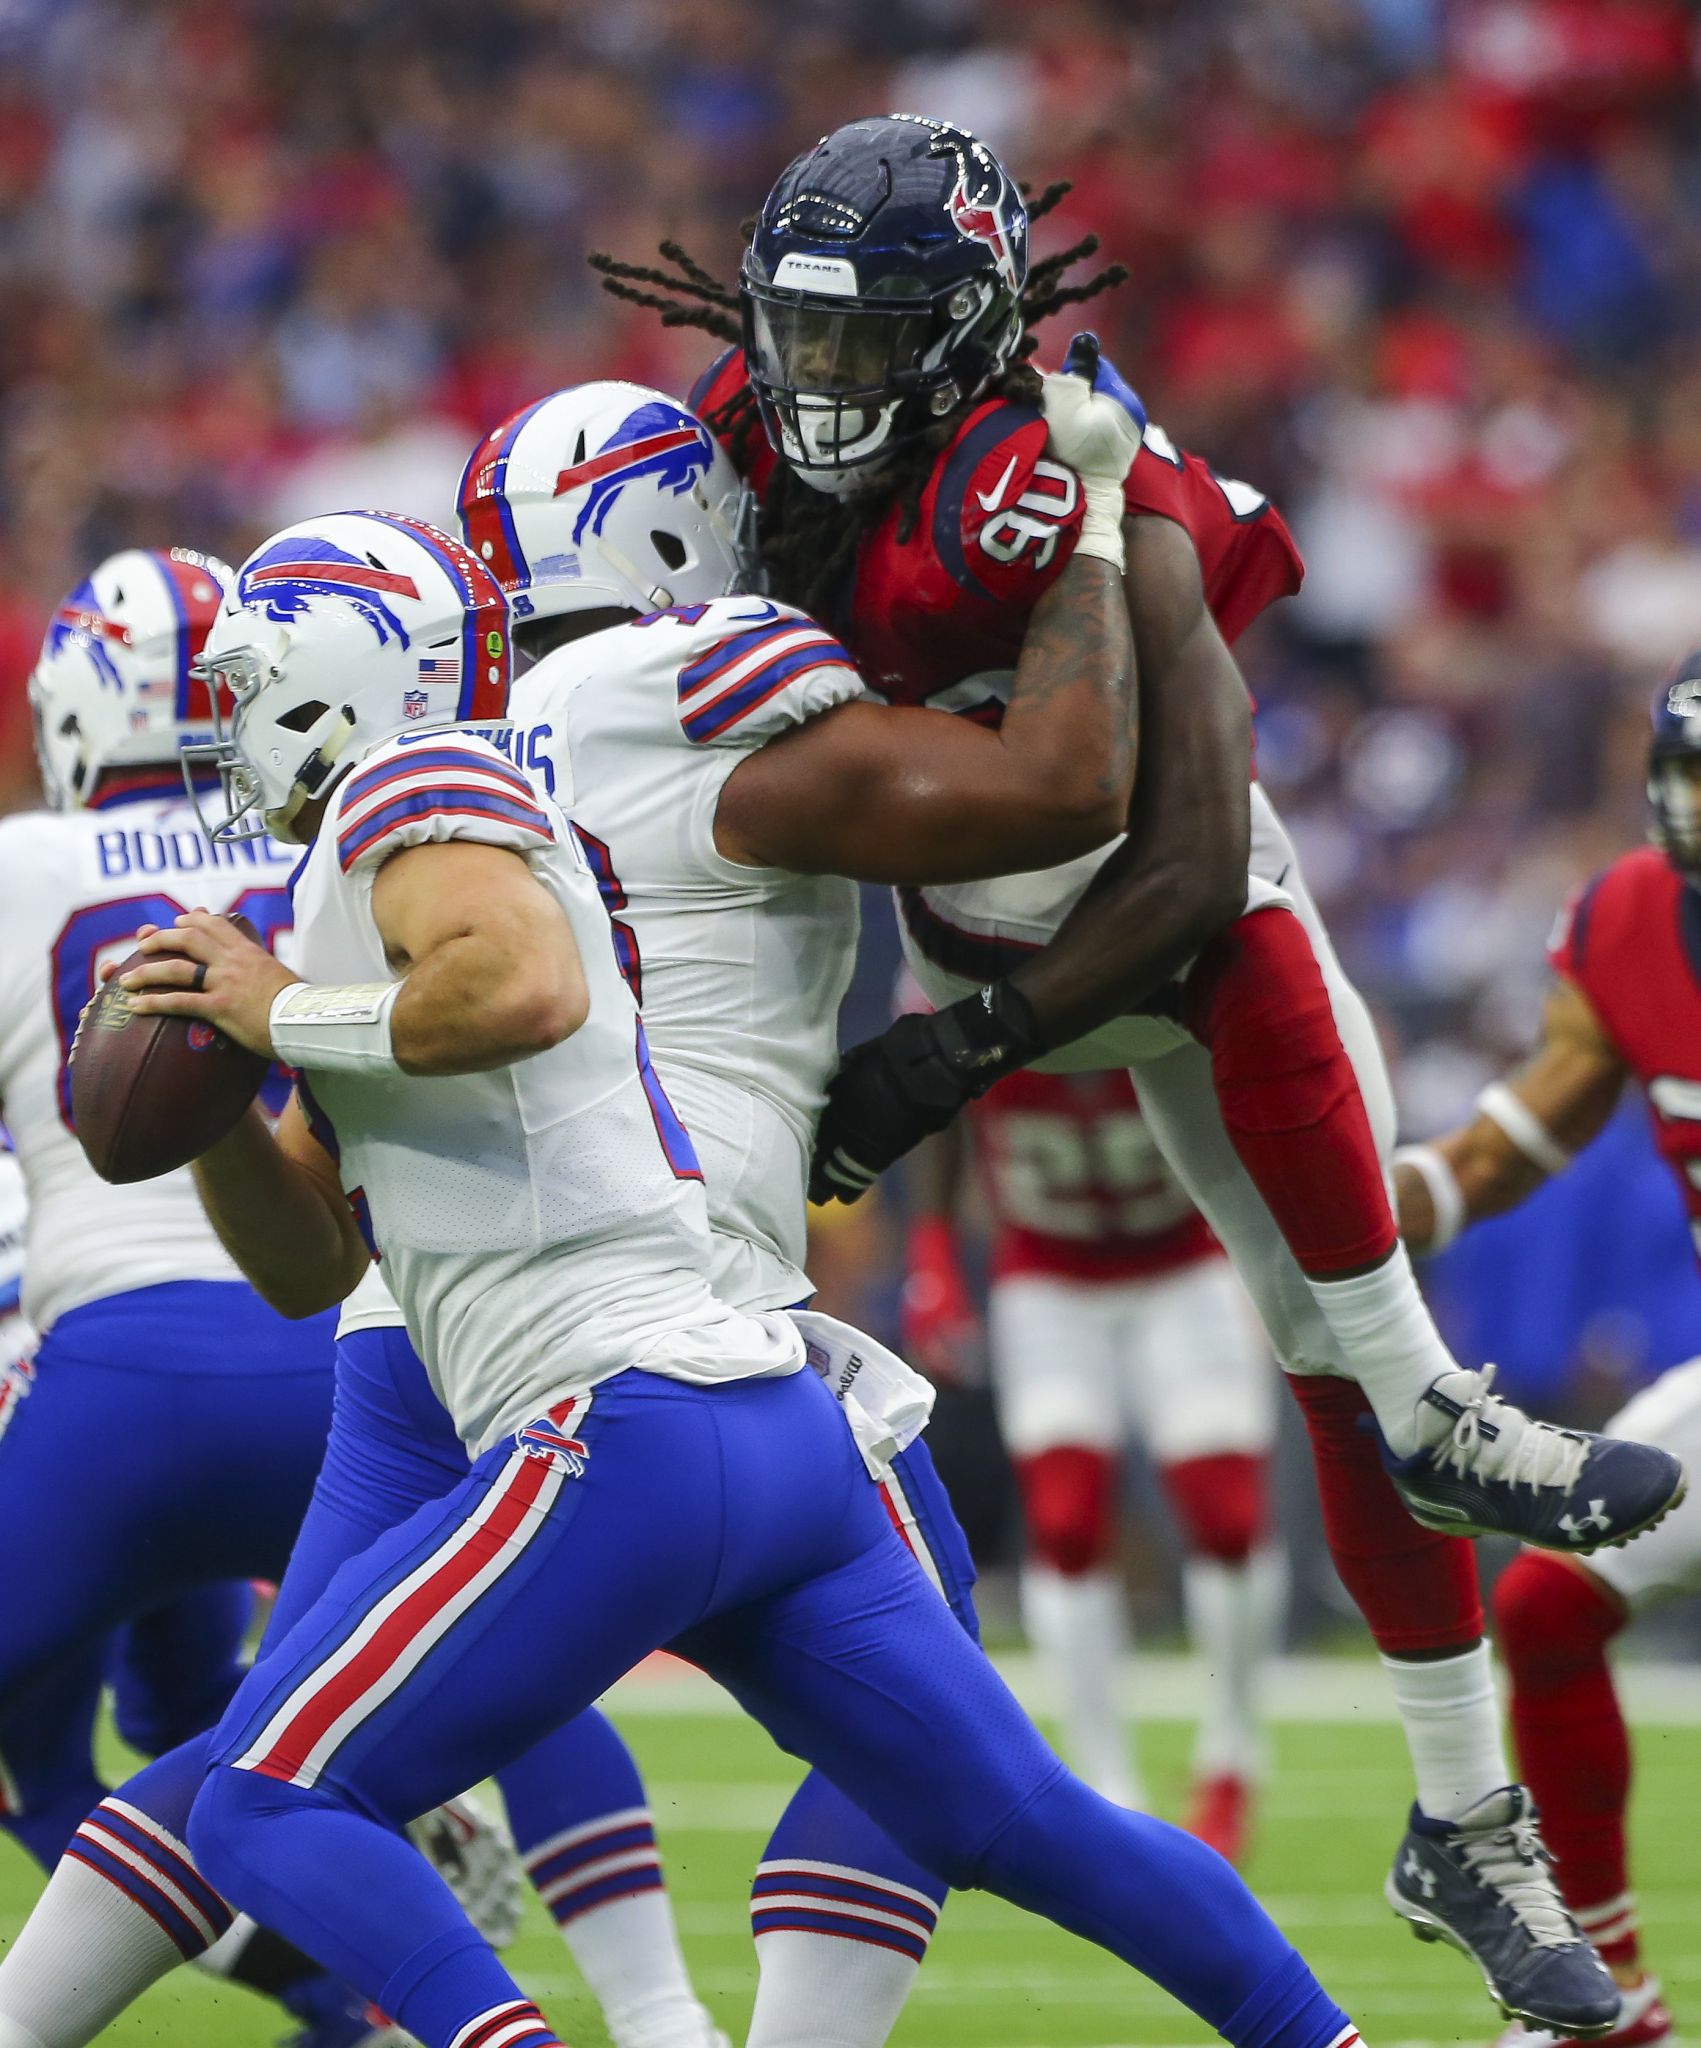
[[446, 802], [460, 760], [709, 720]]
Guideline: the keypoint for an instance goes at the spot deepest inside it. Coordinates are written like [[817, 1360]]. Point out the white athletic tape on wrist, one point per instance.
[[1525, 1129], [1446, 1197], [1101, 521], [318, 1025]]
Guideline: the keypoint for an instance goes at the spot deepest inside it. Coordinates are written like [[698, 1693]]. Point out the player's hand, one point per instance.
[[1095, 421], [892, 1091], [936, 1316], [205, 966]]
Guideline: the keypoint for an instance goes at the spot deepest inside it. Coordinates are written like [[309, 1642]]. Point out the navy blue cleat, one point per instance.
[[1483, 1884], [1492, 1470]]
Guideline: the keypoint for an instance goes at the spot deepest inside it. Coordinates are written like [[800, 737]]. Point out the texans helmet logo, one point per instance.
[[283, 580], [979, 217], [656, 441]]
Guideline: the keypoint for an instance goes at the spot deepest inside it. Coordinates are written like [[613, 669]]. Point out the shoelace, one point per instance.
[[1521, 1452], [1513, 1863]]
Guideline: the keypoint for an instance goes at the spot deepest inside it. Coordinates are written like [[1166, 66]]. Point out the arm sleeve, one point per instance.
[[440, 786], [773, 668]]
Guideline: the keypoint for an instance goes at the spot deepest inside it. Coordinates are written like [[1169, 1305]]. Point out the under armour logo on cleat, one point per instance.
[[1413, 1869], [1595, 1523]]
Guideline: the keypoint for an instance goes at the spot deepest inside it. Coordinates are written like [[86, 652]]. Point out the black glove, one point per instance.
[[892, 1091]]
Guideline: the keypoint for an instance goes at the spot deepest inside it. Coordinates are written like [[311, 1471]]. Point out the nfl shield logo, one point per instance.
[[415, 703]]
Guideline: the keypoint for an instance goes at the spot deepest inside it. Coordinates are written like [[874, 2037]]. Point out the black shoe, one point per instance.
[[1500, 1472], [1483, 1884]]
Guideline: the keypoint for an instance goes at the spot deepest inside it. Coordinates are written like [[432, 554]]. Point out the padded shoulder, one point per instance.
[[434, 786], [744, 669], [1002, 517], [1247, 555]]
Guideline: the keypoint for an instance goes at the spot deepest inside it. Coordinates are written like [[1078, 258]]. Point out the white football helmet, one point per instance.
[[605, 495], [340, 633], [115, 685]]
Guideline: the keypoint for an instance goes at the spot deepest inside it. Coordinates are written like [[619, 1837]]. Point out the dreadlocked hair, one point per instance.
[[809, 540]]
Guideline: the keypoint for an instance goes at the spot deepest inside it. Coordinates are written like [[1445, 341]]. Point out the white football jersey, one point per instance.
[[541, 1226], [740, 970], [14, 1206], [74, 886]]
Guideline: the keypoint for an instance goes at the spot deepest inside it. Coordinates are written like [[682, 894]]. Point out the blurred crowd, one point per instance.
[[1428, 271]]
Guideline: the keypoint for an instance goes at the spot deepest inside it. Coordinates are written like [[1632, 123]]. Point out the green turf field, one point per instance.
[[1002, 1980]]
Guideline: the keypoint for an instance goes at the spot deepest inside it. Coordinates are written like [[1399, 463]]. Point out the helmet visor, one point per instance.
[[834, 351]]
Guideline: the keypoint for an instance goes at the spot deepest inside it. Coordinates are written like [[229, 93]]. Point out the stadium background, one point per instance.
[[1427, 273]]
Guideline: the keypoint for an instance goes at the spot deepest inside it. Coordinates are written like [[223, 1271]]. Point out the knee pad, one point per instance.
[[1288, 1094], [1416, 1590], [1220, 1503], [1069, 1501], [1552, 1619]]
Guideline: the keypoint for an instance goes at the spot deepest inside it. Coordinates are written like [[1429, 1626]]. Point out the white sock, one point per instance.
[[1388, 1343], [1452, 1723], [84, 1954], [628, 1953], [1234, 1617], [820, 1991], [1080, 1627]]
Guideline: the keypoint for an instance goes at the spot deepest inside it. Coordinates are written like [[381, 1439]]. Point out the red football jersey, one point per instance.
[[998, 521], [1631, 942], [1077, 1186]]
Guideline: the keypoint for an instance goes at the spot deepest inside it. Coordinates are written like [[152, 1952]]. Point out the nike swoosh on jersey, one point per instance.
[[989, 499]]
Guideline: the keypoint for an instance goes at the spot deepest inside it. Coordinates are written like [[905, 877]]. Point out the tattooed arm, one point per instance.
[[889, 795], [1180, 875]]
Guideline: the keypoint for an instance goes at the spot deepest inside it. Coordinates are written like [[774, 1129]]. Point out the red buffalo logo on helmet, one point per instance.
[[979, 217]]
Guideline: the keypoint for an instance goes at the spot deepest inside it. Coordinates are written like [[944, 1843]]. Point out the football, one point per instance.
[[148, 1094]]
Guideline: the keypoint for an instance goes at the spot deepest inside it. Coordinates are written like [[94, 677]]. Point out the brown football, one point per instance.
[[148, 1094]]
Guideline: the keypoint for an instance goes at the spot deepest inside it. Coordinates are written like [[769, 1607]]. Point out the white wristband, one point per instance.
[[1526, 1130], [1446, 1197], [348, 1028], [1101, 521]]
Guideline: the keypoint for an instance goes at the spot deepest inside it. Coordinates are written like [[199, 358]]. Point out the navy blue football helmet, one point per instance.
[[1674, 768], [882, 291]]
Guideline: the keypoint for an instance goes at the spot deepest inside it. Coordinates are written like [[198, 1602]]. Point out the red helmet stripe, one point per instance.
[[487, 518], [357, 574], [612, 460]]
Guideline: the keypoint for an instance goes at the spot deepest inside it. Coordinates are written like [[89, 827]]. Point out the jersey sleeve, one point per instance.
[[754, 669], [1002, 516], [1247, 555], [436, 787], [1599, 941]]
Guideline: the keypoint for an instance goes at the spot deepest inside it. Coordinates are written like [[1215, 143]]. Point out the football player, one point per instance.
[[1112, 1317], [655, 492], [116, 1462], [877, 394], [651, 1465], [1625, 1007]]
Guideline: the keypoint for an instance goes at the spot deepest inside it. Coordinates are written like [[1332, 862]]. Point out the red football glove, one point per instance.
[[937, 1318]]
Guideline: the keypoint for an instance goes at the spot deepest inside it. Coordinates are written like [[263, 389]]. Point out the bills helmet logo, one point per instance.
[[283, 580], [79, 621], [656, 441]]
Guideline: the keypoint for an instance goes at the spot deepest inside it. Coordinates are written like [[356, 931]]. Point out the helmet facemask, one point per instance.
[[275, 758], [845, 381]]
